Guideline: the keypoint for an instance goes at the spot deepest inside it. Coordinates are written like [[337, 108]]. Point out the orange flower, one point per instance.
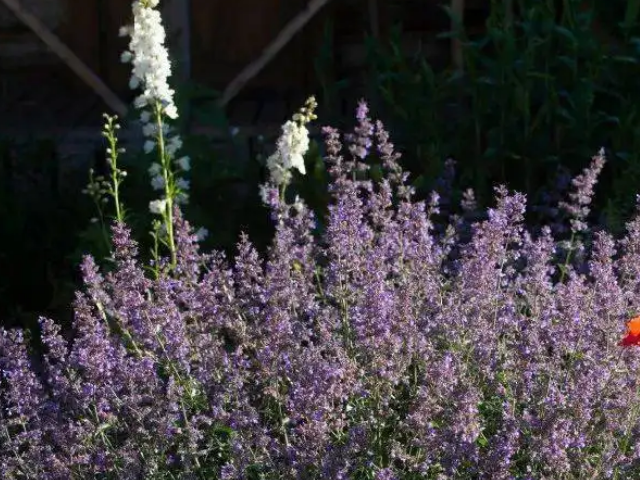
[[633, 333]]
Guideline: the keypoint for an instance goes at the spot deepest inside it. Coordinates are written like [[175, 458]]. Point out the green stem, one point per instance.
[[115, 173], [168, 184]]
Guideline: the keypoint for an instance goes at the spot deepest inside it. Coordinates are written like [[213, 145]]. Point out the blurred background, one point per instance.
[[517, 92]]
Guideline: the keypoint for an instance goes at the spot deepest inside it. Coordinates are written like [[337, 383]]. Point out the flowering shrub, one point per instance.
[[387, 349]]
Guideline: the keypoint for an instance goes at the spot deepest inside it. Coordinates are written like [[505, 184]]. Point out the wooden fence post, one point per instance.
[[271, 50], [67, 56]]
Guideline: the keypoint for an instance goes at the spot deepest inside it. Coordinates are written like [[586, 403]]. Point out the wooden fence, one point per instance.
[[223, 36], [213, 42]]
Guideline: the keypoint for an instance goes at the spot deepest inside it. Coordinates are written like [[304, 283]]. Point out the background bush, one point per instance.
[[546, 85]]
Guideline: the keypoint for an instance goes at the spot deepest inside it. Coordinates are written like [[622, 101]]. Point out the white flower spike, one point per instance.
[[151, 69], [292, 146]]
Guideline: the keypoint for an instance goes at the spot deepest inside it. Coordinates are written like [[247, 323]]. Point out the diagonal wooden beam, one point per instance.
[[67, 56], [287, 33]]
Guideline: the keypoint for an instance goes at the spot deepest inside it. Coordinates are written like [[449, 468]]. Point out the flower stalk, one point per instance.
[[151, 70]]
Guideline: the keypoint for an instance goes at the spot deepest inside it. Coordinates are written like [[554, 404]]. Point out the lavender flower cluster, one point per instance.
[[386, 349]]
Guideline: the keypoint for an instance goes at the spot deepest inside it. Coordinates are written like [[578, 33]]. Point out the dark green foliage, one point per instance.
[[41, 205], [546, 85]]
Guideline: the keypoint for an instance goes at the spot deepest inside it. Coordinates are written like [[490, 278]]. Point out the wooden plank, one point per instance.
[[278, 43], [177, 16], [50, 12], [225, 38], [67, 56], [79, 31]]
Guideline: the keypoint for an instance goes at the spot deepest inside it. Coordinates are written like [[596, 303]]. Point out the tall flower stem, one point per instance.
[[165, 161], [117, 175], [151, 70]]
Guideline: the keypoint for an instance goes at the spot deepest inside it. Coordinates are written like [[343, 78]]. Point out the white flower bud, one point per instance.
[[158, 206]]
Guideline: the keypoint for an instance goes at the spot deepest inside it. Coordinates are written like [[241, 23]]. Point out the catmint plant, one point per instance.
[[385, 347], [382, 349]]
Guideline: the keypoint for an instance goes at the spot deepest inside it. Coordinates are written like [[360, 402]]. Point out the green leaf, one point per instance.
[[569, 62], [540, 75], [490, 152], [635, 42], [455, 18], [447, 35], [376, 172], [565, 114], [566, 33], [487, 80], [611, 119], [625, 59]]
